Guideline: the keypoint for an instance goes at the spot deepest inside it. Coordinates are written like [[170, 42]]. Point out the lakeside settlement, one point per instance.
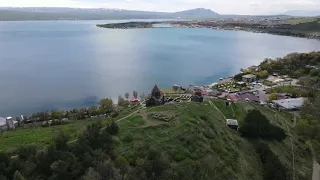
[[271, 26], [272, 84]]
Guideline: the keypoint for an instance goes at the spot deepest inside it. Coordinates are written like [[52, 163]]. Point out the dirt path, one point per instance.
[[213, 105], [315, 165], [70, 142]]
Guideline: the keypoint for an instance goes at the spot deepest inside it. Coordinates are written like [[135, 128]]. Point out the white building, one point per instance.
[[290, 104], [7, 123]]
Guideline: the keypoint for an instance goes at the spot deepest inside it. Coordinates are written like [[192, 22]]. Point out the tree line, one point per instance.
[[105, 107]]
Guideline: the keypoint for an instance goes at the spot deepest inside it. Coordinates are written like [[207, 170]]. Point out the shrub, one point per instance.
[[273, 96]]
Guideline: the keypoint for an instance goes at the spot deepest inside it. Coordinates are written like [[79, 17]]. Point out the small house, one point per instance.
[[233, 124], [7, 123], [134, 100], [241, 84], [197, 96], [249, 78]]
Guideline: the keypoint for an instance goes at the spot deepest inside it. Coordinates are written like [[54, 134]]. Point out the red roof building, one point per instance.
[[134, 100]]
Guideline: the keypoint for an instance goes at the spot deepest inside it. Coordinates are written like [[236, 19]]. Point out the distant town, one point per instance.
[[306, 28]]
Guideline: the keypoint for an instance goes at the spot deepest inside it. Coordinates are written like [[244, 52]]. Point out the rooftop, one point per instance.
[[293, 103], [232, 122]]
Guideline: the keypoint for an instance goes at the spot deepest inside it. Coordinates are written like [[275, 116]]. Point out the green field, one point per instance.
[[40, 136]]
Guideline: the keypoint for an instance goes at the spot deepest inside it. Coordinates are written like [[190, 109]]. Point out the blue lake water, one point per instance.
[[67, 64]]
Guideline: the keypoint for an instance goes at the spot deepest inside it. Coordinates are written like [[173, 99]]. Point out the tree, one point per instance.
[[127, 96], [18, 176], [106, 104], [142, 96], [91, 174], [135, 94], [61, 140], [122, 102], [273, 96], [113, 128], [56, 114], [314, 72]]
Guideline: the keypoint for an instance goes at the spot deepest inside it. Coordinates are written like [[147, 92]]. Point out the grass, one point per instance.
[[40, 136], [198, 134]]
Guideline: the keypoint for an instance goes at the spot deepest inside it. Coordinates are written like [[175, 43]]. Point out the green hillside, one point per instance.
[[198, 135], [176, 141]]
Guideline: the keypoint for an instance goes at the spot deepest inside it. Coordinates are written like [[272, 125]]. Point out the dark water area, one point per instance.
[[48, 65]]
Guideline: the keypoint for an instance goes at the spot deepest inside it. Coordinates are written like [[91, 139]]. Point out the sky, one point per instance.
[[253, 7]]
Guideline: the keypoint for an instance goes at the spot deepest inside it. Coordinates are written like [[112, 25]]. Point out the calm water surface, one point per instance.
[[67, 64]]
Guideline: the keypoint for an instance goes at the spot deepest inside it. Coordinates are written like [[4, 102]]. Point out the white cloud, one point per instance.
[[220, 6]]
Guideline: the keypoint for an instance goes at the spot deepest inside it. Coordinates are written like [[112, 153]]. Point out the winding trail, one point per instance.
[[70, 142], [213, 105]]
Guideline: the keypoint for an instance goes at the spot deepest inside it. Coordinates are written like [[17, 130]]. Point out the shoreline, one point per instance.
[[188, 25]]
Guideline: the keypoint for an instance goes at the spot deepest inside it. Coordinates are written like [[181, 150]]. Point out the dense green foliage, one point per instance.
[[128, 25], [293, 91], [295, 64]]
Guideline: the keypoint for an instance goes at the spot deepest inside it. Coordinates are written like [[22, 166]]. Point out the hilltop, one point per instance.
[[11, 14], [196, 13], [185, 140]]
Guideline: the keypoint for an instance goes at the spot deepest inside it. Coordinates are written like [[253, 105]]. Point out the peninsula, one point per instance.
[[305, 28]]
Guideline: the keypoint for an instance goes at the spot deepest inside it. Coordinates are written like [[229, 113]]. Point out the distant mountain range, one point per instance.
[[48, 13], [97, 14], [303, 13]]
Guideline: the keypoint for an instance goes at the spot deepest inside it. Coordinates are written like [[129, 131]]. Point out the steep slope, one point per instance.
[[201, 146]]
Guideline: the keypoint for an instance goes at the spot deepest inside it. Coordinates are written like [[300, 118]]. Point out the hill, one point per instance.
[[11, 14], [196, 13], [303, 13], [176, 141]]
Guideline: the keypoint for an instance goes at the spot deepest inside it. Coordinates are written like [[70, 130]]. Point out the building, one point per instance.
[[289, 104], [233, 124], [241, 84], [197, 96], [249, 97], [7, 123], [249, 78], [133, 100], [156, 98]]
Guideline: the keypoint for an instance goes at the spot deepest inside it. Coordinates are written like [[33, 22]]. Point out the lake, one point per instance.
[[48, 65]]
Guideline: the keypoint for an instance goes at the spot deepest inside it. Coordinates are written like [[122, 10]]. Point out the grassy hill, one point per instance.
[[197, 142], [198, 134]]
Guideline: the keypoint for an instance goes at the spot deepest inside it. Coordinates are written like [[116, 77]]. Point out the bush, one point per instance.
[[273, 96]]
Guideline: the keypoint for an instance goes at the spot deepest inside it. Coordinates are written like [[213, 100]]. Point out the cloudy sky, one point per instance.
[[220, 6]]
